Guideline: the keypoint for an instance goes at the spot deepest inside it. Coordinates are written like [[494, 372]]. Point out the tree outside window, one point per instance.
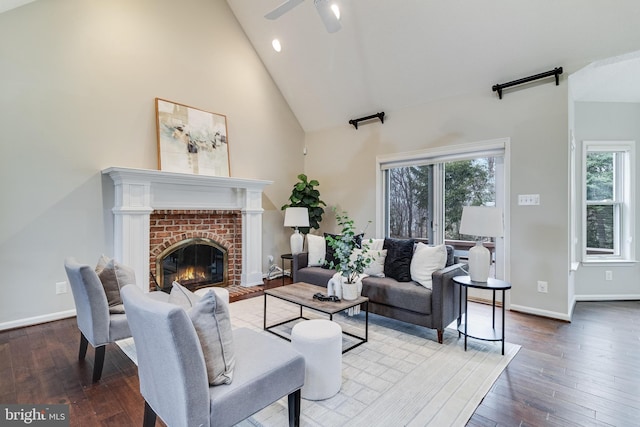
[[411, 193], [601, 202], [467, 183], [608, 200]]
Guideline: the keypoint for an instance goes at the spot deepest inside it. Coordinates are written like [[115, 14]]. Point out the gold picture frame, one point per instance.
[[191, 140]]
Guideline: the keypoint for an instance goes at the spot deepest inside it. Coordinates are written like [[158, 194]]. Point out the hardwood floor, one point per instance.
[[584, 373]]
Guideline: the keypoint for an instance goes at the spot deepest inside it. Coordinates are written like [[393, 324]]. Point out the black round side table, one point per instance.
[[290, 258], [476, 331]]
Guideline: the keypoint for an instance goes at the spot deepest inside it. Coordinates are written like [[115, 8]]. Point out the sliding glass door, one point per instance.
[[423, 195]]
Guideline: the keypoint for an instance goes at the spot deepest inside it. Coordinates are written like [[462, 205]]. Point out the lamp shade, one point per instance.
[[296, 217], [484, 221], [481, 221]]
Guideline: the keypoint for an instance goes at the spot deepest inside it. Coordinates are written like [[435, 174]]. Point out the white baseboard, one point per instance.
[[538, 312], [621, 297], [30, 321]]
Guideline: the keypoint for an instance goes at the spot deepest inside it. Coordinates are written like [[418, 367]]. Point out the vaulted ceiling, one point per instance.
[[393, 54]]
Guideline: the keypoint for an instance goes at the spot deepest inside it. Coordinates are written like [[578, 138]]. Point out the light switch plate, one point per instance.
[[528, 199]]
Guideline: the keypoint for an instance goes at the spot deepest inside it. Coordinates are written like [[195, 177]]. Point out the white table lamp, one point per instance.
[[296, 217], [480, 221]]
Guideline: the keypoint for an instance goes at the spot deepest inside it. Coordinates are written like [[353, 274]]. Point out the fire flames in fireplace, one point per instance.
[[194, 263], [191, 274]]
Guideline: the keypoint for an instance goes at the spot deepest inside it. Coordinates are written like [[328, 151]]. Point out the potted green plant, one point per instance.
[[305, 195], [351, 253]]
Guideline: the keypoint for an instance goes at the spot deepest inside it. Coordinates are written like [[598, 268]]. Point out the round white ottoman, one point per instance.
[[320, 342]]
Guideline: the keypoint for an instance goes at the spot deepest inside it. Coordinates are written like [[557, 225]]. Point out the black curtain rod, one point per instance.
[[355, 122], [555, 72]]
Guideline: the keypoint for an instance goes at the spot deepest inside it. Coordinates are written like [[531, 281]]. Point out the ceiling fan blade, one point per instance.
[[329, 19], [282, 9]]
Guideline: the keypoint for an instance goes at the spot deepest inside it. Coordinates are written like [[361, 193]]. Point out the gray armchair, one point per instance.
[[97, 326], [173, 374]]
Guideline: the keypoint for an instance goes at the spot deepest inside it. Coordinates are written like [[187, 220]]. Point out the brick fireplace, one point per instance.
[[225, 210], [220, 229]]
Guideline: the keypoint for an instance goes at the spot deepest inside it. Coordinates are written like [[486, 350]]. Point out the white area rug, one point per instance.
[[401, 377]]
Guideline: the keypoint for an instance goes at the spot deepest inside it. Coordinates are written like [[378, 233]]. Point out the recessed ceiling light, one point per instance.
[[336, 10], [276, 45]]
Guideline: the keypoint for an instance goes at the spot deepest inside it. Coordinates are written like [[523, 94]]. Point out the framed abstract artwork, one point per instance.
[[191, 140]]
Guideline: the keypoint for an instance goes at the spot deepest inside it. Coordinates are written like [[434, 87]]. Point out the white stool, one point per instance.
[[320, 342]]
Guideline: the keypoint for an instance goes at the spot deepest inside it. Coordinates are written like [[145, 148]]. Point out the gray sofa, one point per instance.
[[406, 301]]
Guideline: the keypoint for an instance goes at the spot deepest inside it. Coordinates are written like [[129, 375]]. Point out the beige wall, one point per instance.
[[535, 119], [78, 80]]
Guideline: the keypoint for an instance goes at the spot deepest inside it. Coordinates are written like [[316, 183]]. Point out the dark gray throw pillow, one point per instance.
[[330, 252], [450, 255], [397, 264], [330, 255]]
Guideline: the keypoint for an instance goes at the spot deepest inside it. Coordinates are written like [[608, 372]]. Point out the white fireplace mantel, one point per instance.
[[138, 192]]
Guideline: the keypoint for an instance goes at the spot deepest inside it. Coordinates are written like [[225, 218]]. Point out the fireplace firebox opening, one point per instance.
[[194, 263]]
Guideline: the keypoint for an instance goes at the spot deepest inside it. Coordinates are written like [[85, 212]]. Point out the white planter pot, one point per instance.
[[351, 291]]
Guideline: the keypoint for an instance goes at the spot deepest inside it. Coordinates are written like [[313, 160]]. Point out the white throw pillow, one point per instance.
[[211, 320], [182, 296], [376, 267], [427, 259], [316, 247], [375, 244]]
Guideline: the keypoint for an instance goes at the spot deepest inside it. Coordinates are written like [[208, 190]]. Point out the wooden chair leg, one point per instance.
[[294, 408], [99, 363], [83, 346], [149, 419], [440, 333]]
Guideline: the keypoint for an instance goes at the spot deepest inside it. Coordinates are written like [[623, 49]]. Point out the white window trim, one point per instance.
[[626, 250], [488, 148]]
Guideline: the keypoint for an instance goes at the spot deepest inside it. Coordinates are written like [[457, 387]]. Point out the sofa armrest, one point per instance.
[[445, 295], [300, 260]]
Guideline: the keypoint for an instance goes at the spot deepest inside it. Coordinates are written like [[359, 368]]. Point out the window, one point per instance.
[[410, 203], [421, 194], [608, 217], [411, 196]]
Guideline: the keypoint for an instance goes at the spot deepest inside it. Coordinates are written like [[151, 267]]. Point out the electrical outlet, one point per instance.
[[543, 287], [61, 287], [270, 259], [608, 275]]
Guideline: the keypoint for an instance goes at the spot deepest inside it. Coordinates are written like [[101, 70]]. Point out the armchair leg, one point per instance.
[[440, 333], [83, 346], [294, 408], [98, 363], [149, 419]]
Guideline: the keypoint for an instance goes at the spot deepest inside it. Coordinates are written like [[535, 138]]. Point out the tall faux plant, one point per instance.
[[350, 265], [305, 195]]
